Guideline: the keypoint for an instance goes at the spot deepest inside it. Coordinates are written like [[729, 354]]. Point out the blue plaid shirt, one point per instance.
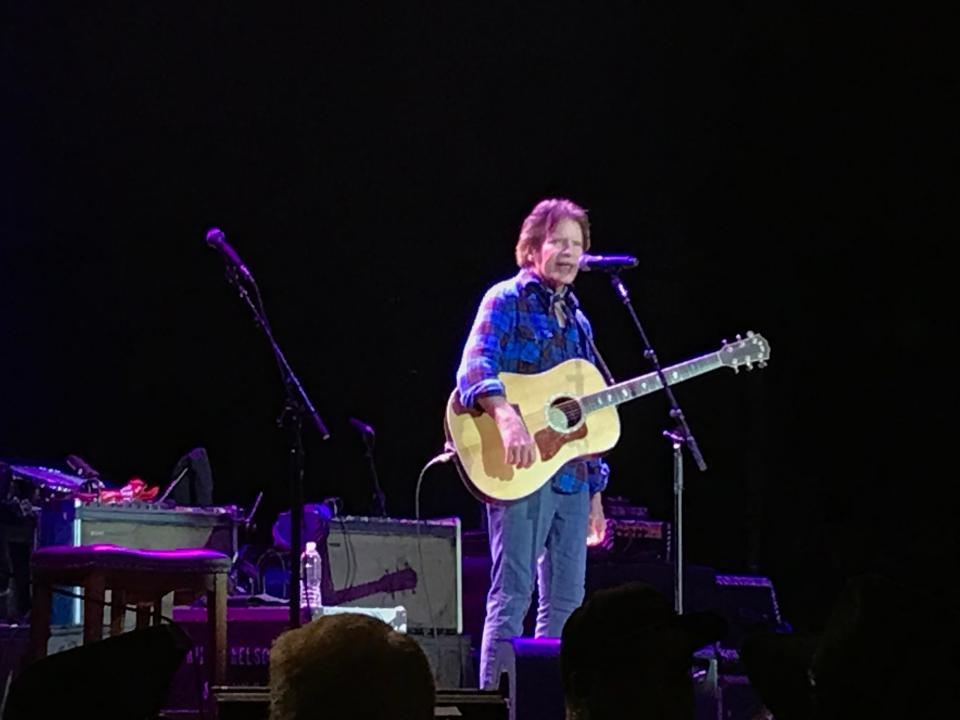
[[516, 330]]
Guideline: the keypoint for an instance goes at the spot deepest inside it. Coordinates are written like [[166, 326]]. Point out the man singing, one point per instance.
[[529, 324]]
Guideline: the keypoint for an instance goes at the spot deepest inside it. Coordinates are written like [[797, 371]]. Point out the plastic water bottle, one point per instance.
[[310, 579]]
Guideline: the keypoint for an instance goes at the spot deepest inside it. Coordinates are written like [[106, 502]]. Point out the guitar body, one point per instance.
[[540, 399]]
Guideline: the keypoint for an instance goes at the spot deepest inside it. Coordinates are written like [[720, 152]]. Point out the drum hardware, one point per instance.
[[91, 476]]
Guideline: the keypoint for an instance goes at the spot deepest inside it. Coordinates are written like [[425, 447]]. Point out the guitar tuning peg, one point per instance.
[[762, 363], [736, 369], [738, 337], [723, 342], [749, 366], [750, 333]]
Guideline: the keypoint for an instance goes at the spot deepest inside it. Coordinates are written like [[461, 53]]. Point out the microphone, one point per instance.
[[81, 467], [218, 241], [607, 263], [363, 428]]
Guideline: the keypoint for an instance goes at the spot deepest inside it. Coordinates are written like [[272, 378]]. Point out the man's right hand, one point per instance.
[[519, 448]]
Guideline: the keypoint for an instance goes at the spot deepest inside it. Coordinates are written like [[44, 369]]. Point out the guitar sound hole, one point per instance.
[[564, 414]]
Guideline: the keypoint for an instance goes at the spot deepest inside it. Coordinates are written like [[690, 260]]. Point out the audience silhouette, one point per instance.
[[625, 653], [887, 650], [349, 666]]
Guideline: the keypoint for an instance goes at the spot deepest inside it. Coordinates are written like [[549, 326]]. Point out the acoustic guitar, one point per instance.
[[570, 412]]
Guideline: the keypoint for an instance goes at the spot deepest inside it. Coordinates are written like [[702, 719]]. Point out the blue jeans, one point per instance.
[[547, 533]]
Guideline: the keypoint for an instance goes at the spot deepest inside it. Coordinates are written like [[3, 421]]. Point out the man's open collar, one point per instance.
[[528, 280]]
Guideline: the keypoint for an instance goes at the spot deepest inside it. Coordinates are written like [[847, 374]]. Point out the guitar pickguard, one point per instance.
[[549, 441]]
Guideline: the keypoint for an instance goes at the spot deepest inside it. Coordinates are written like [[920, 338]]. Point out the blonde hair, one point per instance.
[[542, 220]]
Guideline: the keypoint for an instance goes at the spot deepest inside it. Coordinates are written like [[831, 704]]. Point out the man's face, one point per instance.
[[558, 259]]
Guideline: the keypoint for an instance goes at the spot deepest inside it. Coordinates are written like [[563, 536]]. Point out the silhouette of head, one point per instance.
[[349, 666], [626, 647]]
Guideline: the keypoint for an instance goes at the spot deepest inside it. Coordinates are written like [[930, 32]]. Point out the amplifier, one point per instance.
[[635, 539], [250, 634], [748, 603], [253, 703], [379, 559], [139, 525]]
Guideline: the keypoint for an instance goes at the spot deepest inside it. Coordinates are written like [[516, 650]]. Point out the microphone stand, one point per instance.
[[678, 436], [297, 406], [379, 499]]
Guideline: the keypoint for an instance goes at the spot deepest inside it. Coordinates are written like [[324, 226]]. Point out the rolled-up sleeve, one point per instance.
[[482, 354]]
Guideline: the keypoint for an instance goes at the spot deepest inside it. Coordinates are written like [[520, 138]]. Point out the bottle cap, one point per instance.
[[311, 546]]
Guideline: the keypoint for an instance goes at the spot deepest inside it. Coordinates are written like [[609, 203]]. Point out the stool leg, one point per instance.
[[143, 615], [40, 619], [217, 626], [118, 610], [158, 609], [94, 590]]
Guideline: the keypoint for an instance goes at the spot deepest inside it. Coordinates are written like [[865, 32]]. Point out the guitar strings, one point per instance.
[[571, 410]]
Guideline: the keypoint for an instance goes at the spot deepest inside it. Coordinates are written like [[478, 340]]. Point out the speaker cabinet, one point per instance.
[[380, 559], [253, 703], [530, 672]]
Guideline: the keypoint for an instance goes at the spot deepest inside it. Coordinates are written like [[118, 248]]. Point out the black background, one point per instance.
[[787, 171]]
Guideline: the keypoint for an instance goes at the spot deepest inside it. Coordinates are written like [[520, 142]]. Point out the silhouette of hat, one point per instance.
[[882, 651], [633, 625]]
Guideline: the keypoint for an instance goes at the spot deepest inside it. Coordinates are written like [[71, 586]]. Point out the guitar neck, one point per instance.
[[646, 384]]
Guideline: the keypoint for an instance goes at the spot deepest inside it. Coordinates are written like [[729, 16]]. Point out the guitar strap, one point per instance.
[[574, 304], [600, 361]]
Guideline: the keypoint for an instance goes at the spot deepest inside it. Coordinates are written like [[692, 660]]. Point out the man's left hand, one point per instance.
[[596, 523]]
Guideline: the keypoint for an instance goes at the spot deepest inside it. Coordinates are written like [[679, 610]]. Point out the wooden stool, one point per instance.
[[136, 577]]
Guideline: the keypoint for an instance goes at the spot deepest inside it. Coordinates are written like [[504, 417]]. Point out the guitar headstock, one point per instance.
[[745, 352]]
